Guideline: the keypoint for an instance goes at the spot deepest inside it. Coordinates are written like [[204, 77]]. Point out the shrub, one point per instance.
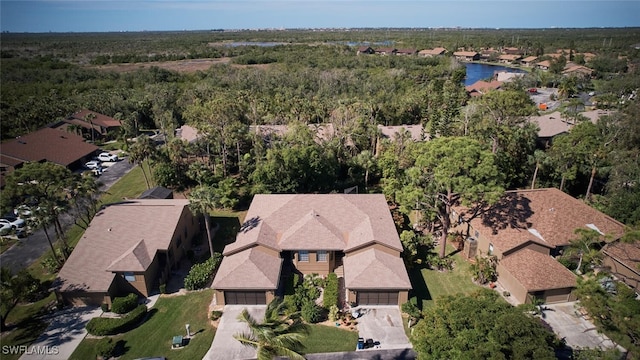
[[105, 348], [215, 315], [201, 274], [163, 288], [334, 313], [411, 309], [331, 291], [310, 312], [110, 326], [122, 305], [104, 307]]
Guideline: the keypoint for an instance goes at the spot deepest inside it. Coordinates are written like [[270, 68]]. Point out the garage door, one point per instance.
[[245, 298], [377, 298]]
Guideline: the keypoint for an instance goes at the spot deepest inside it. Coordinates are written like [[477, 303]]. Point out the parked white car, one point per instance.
[[106, 157], [14, 223], [93, 164]]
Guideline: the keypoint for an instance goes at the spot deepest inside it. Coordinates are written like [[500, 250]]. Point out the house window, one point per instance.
[[129, 276], [490, 249], [322, 255], [303, 255]]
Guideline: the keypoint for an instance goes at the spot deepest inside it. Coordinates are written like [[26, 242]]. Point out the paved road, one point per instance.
[[28, 250]]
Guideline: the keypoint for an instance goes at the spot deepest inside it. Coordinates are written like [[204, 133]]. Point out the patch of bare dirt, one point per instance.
[[183, 66]]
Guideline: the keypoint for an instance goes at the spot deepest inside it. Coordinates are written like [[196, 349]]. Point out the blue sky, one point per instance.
[[139, 15]]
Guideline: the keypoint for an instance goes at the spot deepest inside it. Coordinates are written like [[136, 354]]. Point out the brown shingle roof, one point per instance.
[[625, 253], [336, 221], [100, 119], [550, 125], [250, 269], [114, 242], [53, 145], [523, 214], [537, 271], [483, 86], [416, 131], [376, 269], [432, 52]]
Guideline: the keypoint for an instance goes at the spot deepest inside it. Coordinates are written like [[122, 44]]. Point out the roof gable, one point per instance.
[[97, 118], [627, 254], [537, 271], [250, 269], [135, 259], [377, 269]]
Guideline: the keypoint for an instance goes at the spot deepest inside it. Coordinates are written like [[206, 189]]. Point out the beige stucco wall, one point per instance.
[[510, 284], [313, 266], [531, 246], [219, 296], [622, 272]]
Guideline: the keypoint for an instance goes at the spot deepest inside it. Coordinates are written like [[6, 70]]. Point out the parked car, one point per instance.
[[106, 157], [23, 211], [93, 164], [5, 228], [13, 222]]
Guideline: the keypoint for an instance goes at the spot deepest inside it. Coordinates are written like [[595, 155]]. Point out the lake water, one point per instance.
[[477, 72]]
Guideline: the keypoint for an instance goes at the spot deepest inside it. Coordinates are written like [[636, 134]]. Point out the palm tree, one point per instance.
[[42, 218], [142, 150], [202, 199], [276, 335]]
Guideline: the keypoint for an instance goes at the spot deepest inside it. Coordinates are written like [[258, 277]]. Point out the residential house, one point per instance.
[[489, 54], [187, 133], [365, 50], [47, 144], [482, 87], [406, 51], [512, 51], [543, 65], [386, 51], [509, 59], [322, 132], [415, 132], [524, 230], [550, 126], [529, 61], [577, 70], [351, 235], [622, 260], [129, 247], [439, 51], [466, 55], [93, 125]]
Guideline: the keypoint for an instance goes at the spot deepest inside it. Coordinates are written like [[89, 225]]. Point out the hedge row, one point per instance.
[[201, 274], [331, 291], [112, 326], [122, 305]]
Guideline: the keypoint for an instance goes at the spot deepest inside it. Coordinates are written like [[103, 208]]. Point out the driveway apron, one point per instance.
[[383, 324], [224, 346]]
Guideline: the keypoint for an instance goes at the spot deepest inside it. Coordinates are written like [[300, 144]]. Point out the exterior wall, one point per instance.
[[267, 250], [313, 266], [557, 295], [403, 296], [121, 288], [532, 246], [380, 247], [219, 297], [628, 276], [82, 298], [351, 296], [510, 284], [188, 226], [270, 296]]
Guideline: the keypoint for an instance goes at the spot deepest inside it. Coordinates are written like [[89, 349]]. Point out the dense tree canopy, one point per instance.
[[480, 326]]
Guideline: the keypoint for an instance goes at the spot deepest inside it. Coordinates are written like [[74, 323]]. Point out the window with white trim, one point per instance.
[[322, 255], [303, 255]]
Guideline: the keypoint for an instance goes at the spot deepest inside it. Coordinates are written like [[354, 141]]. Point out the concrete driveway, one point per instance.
[[383, 324], [224, 346], [577, 331], [65, 331]]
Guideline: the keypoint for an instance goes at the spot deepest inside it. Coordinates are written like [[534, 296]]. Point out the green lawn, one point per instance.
[[130, 186], [167, 318], [229, 222], [324, 338], [431, 284]]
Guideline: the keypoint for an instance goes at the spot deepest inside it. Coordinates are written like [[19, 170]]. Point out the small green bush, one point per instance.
[[201, 274], [215, 315], [334, 313], [111, 326], [105, 348], [122, 305], [331, 291], [411, 309], [104, 307], [310, 312], [163, 288]]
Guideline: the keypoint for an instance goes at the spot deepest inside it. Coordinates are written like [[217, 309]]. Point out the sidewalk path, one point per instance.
[[65, 331]]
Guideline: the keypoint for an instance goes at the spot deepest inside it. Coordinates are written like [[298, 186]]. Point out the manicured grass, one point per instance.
[[130, 186], [324, 338], [167, 319], [428, 284], [229, 222], [6, 243]]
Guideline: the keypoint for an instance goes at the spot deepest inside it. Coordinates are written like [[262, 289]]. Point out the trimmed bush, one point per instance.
[[330, 296], [122, 305], [201, 274], [111, 326], [215, 315], [105, 348], [104, 307], [163, 288]]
